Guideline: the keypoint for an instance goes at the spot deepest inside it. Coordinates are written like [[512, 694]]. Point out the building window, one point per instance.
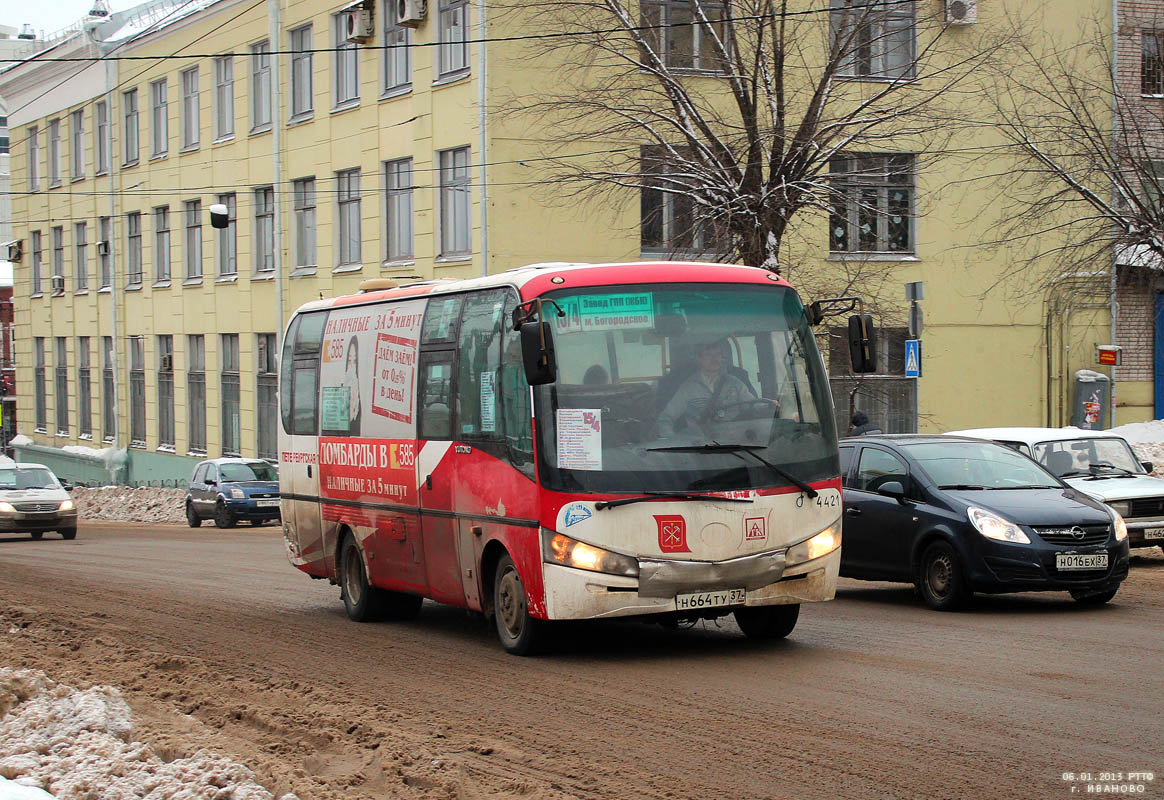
[[33, 158], [137, 392], [397, 51], [61, 373], [37, 262], [193, 239], [345, 66], [304, 200], [101, 140], [454, 167], [348, 192], [108, 392], [266, 403], [105, 251], [166, 391], [54, 152], [265, 229], [191, 125], [58, 242], [38, 384], [678, 40], [398, 208], [228, 239], [453, 51], [1152, 63], [196, 393], [874, 40], [80, 257], [133, 249], [872, 204], [230, 395], [159, 118], [671, 222], [130, 124], [77, 147], [162, 244], [301, 90], [84, 390], [223, 97], [260, 86]]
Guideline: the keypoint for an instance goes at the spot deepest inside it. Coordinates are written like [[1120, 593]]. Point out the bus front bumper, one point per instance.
[[579, 594]]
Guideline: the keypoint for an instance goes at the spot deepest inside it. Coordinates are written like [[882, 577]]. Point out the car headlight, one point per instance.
[[1117, 521], [1121, 508], [7, 508], [995, 527], [66, 505], [819, 545], [237, 493], [559, 549]]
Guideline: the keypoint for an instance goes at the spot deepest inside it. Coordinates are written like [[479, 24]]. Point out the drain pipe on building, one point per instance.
[[481, 97], [276, 164]]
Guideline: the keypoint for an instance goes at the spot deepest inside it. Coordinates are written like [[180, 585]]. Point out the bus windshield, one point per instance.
[[685, 387]]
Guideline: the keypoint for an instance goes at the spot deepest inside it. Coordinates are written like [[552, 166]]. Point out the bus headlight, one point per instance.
[[822, 544], [559, 549]]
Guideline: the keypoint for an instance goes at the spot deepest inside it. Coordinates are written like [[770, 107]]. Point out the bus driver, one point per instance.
[[709, 388]]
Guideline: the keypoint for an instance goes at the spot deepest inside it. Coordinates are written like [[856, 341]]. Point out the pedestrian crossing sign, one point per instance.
[[913, 358]]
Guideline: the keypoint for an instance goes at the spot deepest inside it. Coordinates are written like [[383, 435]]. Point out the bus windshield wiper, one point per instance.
[[626, 501], [739, 450]]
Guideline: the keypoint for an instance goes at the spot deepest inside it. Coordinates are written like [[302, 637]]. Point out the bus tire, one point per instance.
[[360, 598], [767, 622], [520, 634]]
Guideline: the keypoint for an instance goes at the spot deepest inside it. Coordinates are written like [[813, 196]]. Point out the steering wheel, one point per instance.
[[752, 408]]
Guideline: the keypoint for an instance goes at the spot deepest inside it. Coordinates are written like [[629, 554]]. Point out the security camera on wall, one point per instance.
[[219, 217]]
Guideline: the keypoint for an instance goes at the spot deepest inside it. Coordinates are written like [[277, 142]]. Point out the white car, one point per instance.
[[1096, 462]]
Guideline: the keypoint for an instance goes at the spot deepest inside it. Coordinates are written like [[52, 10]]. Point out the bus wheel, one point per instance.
[[518, 631], [358, 595], [767, 622]]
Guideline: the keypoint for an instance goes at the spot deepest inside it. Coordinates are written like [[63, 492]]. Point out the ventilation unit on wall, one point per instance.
[[411, 12], [961, 12], [16, 250], [167, 362], [103, 247], [58, 283], [358, 24]]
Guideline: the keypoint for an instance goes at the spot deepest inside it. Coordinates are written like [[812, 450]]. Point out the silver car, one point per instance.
[[33, 501]]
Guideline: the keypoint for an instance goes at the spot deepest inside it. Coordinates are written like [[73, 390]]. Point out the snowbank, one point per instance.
[[124, 504], [77, 745]]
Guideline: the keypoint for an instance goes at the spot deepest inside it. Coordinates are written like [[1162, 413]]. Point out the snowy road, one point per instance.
[[216, 642]]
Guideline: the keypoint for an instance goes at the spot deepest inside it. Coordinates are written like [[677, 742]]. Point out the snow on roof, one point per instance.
[[147, 18]]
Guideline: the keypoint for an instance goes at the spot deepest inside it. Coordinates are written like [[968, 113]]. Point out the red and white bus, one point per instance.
[[564, 441]]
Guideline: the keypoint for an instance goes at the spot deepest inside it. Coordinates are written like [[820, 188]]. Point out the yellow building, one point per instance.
[[347, 146]]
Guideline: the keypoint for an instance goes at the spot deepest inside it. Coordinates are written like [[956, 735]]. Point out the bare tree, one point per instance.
[[728, 116]]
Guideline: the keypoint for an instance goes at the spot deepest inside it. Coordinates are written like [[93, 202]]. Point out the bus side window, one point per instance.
[[436, 416], [299, 379], [478, 359], [514, 391]]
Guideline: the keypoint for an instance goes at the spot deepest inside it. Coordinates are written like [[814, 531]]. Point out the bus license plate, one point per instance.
[[699, 600], [1069, 561], [1154, 533], [266, 503]]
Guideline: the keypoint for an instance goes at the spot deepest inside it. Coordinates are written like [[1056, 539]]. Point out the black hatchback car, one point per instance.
[[956, 516]]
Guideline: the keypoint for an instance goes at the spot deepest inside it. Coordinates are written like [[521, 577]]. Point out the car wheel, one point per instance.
[[767, 622], [192, 518], [222, 516], [36, 534], [68, 533], [520, 634], [940, 578], [1086, 598]]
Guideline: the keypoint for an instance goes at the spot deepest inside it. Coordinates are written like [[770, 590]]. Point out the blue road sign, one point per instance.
[[913, 355]]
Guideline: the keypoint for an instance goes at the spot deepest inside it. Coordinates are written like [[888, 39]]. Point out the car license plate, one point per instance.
[[1069, 561], [266, 503], [698, 600], [1154, 533]]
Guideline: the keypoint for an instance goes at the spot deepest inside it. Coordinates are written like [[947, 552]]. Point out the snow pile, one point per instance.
[[76, 745], [125, 504], [1147, 439]]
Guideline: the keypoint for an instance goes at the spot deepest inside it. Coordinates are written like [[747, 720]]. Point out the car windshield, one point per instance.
[[680, 388], [1085, 456], [980, 465], [18, 478], [251, 471]]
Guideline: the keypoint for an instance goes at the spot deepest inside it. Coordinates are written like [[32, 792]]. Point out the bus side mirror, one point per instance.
[[862, 343], [537, 353]]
